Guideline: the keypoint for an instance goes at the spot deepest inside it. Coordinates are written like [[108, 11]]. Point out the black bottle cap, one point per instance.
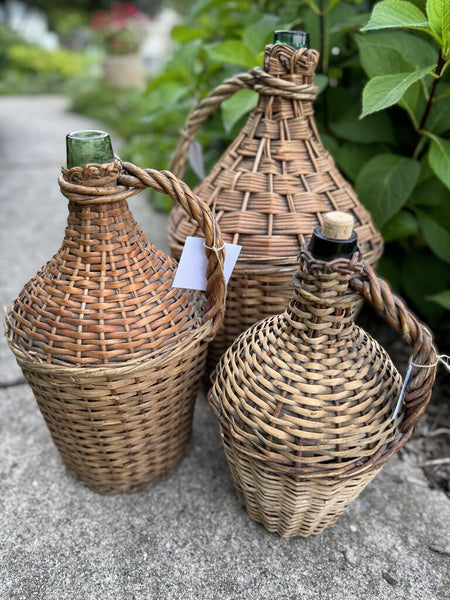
[[335, 238]]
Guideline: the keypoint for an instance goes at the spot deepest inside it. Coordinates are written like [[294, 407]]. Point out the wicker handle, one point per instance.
[[167, 183], [201, 112], [257, 80], [392, 308]]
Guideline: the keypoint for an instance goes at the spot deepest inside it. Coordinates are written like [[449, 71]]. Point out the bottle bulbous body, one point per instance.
[[113, 353], [305, 402], [270, 190]]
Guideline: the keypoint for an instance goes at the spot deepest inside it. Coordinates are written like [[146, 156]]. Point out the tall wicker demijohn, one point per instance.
[[271, 187], [308, 403], [112, 352]]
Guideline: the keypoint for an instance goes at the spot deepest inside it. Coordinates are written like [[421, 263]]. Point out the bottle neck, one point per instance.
[[324, 303], [87, 147], [326, 249], [281, 60], [98, 228], [295, 39], [298, 67], [99, 217]]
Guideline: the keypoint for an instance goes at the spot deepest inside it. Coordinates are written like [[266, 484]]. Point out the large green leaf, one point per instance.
[[342, 13], [232, 51], [439, 157], [438, 12], [403, 224], [436, 235], [383, 91], [351, 157], [237, 106], [395, 13], [382, 53], [431, 193], [446, 46], [375, 128], [414, 102], [385, 184], [438, 121], [377, 60], [182, 33], [257, 34], [442, 298], [424, 275], [349, 22]]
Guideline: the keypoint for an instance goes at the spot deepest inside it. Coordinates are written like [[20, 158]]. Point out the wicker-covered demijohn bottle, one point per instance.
[[307, 402], [112, 352], [271, 187]]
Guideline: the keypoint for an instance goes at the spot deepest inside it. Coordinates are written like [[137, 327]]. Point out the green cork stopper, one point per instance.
[[85, 147], [296, 39]]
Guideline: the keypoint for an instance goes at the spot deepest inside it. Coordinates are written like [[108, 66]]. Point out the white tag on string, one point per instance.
[[440, 358], [191, 272], [402, 392], [195, 157]]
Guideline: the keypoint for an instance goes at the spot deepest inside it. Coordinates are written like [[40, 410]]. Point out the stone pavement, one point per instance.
[[186, 538]]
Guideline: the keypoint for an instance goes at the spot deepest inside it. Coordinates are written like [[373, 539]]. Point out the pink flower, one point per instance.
[[122, 20], [130, 9]]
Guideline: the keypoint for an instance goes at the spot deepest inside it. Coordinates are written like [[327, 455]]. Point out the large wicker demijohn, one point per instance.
[[271, 187], [113, 353], [307, 401]]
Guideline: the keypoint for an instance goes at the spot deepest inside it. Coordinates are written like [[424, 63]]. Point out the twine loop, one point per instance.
[[218, 251], [94, 184], [266, 84], [440, 359], [284, 68]]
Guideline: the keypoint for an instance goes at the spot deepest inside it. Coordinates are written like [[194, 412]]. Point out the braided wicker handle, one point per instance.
[[167, 183], [256, 79], [204, 110], [393, 310]]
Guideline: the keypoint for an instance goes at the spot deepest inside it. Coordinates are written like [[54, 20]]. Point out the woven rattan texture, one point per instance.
[[308, 387], [307, 395], [113, 353], [107, 293], [120, 429], [286, 505], [271, 188]]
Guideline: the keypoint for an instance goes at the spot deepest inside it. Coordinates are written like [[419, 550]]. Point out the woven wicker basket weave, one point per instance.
[[113, 353], [270, 189], [305, 399]]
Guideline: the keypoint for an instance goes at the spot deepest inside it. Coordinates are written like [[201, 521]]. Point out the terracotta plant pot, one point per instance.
[[124, 71]]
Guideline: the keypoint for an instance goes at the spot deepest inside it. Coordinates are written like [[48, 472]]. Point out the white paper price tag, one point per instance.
[[191, 272]]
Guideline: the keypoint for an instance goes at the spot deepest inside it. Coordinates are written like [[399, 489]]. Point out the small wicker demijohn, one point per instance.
[[113, 353], [307, 402], [271, 187]]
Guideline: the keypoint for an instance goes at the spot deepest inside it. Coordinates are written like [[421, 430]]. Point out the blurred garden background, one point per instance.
[[383, 108]]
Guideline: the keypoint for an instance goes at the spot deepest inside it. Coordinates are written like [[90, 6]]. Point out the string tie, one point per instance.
[[440, 359], [214, 248]]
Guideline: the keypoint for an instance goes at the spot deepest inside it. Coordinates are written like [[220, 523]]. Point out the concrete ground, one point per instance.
[[186, 538]]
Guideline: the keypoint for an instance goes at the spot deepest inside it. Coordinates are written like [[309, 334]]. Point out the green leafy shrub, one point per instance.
[[8, 38], [407, 188], [31, 59], [396, 155], [26, 68]]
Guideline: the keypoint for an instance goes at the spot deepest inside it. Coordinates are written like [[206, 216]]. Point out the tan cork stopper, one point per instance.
[[338, 225]]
